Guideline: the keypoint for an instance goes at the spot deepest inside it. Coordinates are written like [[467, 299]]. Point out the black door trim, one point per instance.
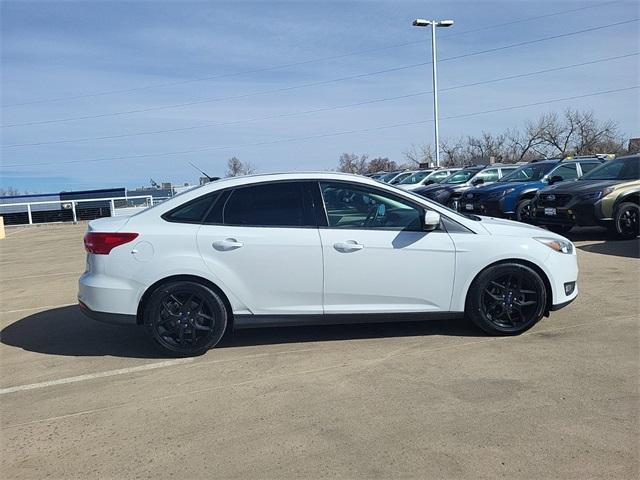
[[258, 321]]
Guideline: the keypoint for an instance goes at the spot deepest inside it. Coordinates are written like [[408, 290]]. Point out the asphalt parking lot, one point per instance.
[[80, 399]]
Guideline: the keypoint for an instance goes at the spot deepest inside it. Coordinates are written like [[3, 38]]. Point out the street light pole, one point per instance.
[[434, 23], [435, 92]]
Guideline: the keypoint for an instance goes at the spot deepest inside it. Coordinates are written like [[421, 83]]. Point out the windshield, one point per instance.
[[415, 177], [388, 176], [528, 173], [622, 169], [461, 177]]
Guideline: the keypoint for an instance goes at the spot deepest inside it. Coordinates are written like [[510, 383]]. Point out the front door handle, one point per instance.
[[348, 246], [227, 244]]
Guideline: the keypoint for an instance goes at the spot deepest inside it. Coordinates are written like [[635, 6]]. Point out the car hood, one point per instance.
[[499, 186], [510, 228], [582, 186]]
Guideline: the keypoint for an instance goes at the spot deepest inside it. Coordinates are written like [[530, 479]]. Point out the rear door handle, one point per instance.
[[348, 246], [227, 244]]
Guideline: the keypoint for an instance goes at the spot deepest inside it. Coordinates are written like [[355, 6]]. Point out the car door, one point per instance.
[[378, 258], [262, 242]]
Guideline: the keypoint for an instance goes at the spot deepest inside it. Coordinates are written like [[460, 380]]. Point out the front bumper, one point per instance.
[[489, 207], [573, 213]]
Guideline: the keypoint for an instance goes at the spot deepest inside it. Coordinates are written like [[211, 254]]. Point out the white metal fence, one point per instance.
[[50, 211]]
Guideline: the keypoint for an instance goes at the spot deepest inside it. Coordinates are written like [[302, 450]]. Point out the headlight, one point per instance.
[[560, 246], [501, 193], [597, 195]]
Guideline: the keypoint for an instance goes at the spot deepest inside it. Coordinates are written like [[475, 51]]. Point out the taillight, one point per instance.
[[101, 243]]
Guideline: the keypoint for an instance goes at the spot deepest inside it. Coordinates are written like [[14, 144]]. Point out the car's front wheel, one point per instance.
[[185, 318], [626, 221], [523, 211], [506, 299]]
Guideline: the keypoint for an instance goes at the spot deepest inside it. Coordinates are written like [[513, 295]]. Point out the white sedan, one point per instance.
[[316, 248]]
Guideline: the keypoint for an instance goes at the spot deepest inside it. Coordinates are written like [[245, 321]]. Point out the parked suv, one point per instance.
[[449, 191], [607, 196], [316, 248], [511, 196]]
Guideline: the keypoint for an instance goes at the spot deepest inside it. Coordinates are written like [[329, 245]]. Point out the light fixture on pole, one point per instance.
[[420, 22]]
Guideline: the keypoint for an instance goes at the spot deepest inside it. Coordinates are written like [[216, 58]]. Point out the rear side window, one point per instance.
[[280, 204], [193, 211]]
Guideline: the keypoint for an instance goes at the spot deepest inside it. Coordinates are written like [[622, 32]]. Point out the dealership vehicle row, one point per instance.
[[558, 193]]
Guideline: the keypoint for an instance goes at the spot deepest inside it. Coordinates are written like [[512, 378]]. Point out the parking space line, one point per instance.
[[41, 275], [91, 376], [43, 307], [364, 364]]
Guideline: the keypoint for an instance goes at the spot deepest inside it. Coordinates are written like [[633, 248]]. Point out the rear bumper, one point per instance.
[[105, 317], [109, 295]]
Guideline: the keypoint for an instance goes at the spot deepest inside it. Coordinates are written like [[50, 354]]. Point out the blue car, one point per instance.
[[510, 197]]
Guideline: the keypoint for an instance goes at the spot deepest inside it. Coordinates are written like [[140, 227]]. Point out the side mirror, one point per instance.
[[477, 181], [431, 220], [555, 179]]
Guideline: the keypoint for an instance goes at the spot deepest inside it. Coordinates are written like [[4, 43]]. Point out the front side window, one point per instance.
[[359, 207], [567, 172], [278, 204]]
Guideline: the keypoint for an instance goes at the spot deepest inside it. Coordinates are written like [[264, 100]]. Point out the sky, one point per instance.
[[113, 93]]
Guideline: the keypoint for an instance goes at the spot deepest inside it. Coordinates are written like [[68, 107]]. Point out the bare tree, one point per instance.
[[453, 152], [352, 163], [236, 167], [420, 154], [381, 164], [487, 147]]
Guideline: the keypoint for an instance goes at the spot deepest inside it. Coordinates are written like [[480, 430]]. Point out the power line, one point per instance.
[[325, 135], [314, 84], [325, 109], [304, 62]]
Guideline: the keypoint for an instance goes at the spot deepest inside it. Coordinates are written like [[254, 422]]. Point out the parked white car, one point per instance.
[[316, 248], [433, 176]]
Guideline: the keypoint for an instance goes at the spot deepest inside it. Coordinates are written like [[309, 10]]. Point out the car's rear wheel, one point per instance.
[[523, 211], [626, 221], [506, 299], [185, 318]]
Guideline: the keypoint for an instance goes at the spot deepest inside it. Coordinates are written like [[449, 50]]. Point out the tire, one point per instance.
[[626, 220], [506, 299], [185, 318], [523, 211], [559, 229]]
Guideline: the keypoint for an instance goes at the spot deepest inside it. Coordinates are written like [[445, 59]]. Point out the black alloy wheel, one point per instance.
[[626, 220], [523, 211], [185, 318], [506, 299]]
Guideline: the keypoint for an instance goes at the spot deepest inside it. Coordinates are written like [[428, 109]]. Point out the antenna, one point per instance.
[[153, 183], [211, 179]]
